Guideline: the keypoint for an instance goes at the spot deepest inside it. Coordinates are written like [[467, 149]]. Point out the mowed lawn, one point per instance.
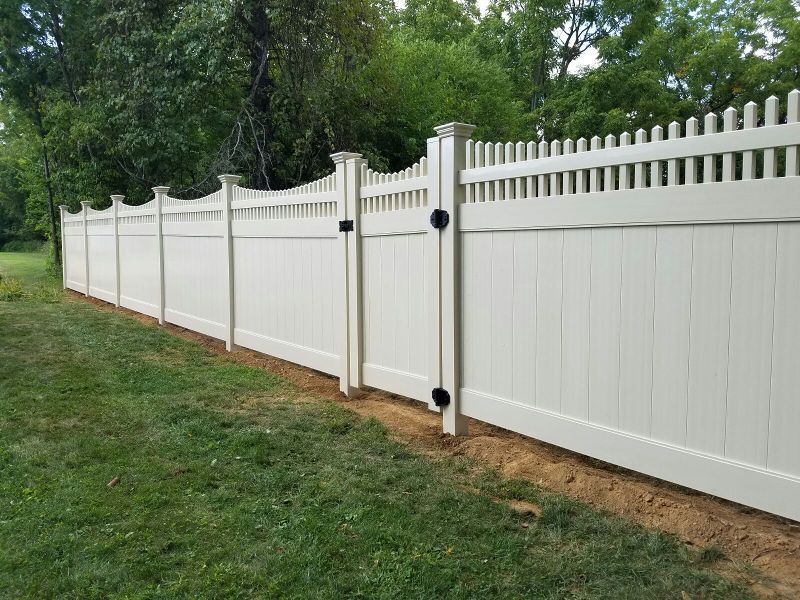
[[232, 483]]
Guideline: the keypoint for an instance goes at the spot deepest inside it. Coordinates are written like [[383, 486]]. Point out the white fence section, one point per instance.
[[394, 227], [139, 249], [636, 301], [289, 273], [101, 250], [195, 263]]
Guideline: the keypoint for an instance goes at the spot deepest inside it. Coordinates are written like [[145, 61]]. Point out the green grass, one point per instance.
[[28, 267], [24, 275], [235, 484]]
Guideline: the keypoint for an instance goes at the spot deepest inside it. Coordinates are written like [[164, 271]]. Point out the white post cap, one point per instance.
[[340, 157], [454, 129]]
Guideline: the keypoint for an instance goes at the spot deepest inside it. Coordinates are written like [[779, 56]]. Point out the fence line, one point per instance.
[[632, 298]]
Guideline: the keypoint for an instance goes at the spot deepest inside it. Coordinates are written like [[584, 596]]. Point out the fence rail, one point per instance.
[[636, 301]]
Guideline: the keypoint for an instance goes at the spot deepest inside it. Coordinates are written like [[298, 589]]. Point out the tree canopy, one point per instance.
[[100, 97]]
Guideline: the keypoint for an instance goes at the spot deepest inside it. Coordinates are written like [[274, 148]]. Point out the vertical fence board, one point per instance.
[[604, 326], [750, 345], [501, 314], [784, 415], [671, 334], [524, 310], [576, 286], [548, 318], [636, 329], [708, 337]]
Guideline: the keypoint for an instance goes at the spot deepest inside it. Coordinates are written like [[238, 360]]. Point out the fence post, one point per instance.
[[228, 181], [160, 192], [354, 296], [450, 145], [345, 272], [433, 292], [85, 211], [116, 200], [62, 209]]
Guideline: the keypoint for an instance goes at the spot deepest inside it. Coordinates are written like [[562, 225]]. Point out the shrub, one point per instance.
[[23, 246], [10, 289]]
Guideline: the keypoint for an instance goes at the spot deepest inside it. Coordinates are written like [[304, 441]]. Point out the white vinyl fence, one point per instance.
[[634, 300]]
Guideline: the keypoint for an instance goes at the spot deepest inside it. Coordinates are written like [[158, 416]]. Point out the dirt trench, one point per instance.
[[745, 535]]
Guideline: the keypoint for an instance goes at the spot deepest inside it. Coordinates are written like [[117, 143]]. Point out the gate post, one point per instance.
[[347, 307], [160, 192], [354, 168], [116, 199], [228, 181], [450, 158], [85, 204]]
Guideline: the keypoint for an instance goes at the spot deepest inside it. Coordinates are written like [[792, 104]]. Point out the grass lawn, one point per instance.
[[235, 484]]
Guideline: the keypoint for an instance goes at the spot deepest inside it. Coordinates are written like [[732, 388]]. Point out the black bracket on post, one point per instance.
[[345, 226], [439, 218], [441, 397]]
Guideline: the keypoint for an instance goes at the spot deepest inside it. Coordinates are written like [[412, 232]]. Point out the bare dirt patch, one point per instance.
[[745, 535]]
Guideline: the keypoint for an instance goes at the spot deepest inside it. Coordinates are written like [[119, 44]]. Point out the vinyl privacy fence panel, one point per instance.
[[634, 299], [195, 263], [139, 257], [73, 246], [286, 267], [394, 231], [100, 247]]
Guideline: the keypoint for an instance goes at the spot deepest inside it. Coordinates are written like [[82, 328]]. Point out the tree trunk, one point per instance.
[[51, 208], [259, 26]]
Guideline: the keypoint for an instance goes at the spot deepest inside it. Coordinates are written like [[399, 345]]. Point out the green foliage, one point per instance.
[[22, 246], [701, 56], [440, 20], [425, 83], [10, 289], [121, 96], [233, 484]]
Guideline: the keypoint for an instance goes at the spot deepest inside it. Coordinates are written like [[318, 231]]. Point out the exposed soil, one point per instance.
[[745, 535]]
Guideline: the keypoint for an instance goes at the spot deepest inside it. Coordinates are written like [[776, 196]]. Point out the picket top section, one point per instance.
[[558, 168], [71, 217], [321, 191], [147, 206], [401, 190]]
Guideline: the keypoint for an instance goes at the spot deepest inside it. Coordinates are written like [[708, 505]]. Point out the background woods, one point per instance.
[[101, 97]]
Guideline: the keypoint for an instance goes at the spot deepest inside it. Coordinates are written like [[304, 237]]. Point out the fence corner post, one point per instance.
[[160, 192], [348, 300], [228, 181], [62, 209], [85, 204], [452, 158], [116, 200]]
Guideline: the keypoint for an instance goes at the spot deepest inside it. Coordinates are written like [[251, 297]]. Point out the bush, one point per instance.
[[10, 289], [23, 246], [45, 293], [52, 267]]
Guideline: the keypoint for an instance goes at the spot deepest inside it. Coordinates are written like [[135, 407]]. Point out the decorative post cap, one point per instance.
[[234, 179], [454, 129], [161, 189], [340, 157], [86, 203], [117, 197], [63, 207]]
